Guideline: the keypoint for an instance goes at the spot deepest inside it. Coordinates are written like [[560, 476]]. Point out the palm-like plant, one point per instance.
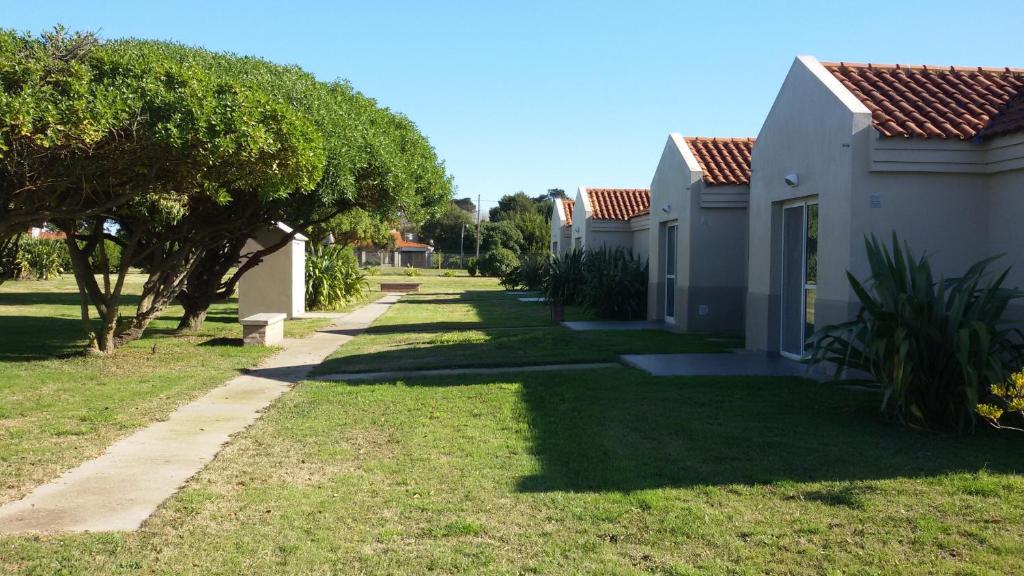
[[615, 284], [333, 277], [563, 280], [934, 346]]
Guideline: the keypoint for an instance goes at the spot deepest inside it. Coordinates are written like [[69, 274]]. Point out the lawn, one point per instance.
[[588, 472], [59, 407], [483, 326], [605, 472]]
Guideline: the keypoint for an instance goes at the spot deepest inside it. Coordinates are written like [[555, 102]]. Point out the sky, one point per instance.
[[536, 95]]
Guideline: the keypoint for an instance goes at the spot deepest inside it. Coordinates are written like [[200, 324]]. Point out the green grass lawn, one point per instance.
[[605, 472], [592, 472], [483, 326], [59, 407]]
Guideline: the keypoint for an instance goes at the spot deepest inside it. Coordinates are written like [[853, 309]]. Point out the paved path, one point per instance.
[[736, 364], [125, 485], [365, 376]]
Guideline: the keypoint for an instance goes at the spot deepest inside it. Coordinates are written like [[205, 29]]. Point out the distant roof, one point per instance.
[[567, 206], [618, 203], [401, 242], [723, 160], [936, 102]]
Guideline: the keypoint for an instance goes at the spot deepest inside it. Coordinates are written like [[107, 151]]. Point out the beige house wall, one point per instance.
[[711, 250], [591, 234], [561, 233]]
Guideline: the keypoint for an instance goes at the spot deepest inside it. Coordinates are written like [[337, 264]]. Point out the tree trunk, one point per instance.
[[194, 317]]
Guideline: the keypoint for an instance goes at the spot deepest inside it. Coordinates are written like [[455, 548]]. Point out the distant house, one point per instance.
[[402, 250], [847, 150], [612, 217], [561, 225], [40, 233], [698, 241]]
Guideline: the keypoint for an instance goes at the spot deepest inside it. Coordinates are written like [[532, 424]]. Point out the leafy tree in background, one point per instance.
[[466, 204], [494, 235], [353, 227], [530, 216], [446, 230]]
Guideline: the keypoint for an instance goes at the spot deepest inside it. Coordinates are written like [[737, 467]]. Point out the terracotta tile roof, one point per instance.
[[401, 242], [618, 203], [1010, 119], [723, 160], [567, 206], [934, 102]]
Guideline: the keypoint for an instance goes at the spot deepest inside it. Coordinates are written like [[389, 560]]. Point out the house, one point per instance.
[[612, 217], [402, 251], [698, 240], [561, 225], [848, 150]]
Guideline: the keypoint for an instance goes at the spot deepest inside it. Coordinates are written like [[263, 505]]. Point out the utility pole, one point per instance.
[[477, 226]]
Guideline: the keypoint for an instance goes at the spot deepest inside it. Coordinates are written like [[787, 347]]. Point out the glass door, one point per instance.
[[670, 272], [799, 275]]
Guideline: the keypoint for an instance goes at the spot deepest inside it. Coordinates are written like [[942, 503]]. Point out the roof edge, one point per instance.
[[852, 103], [689, 158]]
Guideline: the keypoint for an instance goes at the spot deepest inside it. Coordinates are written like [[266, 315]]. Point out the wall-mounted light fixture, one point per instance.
[[792, 180], [666, 208]]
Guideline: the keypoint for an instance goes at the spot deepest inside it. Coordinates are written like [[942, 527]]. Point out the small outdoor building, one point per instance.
[[402, 251], [935, 154], [278, 283], [561, 226], [698, 247], [611, 217]]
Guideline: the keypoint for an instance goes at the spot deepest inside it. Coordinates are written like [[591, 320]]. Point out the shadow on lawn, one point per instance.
[[620, 430]]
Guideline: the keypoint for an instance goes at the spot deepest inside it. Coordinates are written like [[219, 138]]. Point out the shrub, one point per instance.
[[372, 271], [410, 271], [9, 262], [46, 259], [533, 271], [935, 347], [471, 266], [1005, 401], [448, 273], [615, 284], [113, 251], [564, 277], [333, 277], [501, 263]]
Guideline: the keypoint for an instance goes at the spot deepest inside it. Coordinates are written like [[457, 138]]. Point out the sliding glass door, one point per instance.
[[799, 275], [670, 272]]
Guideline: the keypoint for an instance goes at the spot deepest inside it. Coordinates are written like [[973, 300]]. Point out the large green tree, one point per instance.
[[451, 230]]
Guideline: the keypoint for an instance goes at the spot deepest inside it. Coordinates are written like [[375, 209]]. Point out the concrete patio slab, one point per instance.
[[614, 325], [369, 376], [735, 364], [120, 489], [533, 299]]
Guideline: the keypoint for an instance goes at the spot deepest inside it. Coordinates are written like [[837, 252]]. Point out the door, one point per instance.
[[799, 275], [670, 272]]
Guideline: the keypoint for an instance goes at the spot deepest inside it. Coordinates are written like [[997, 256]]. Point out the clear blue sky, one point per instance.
[[536, 95]]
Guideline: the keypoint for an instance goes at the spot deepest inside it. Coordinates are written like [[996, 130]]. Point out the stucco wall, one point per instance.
[[278, 283], [809, 131], [1006, 229]]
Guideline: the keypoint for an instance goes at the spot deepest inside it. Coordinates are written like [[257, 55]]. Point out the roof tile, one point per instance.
[[936, 102], [567, 206], [618, 203], [723, 160]]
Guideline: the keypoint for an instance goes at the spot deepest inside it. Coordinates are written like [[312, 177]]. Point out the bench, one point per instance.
[[266, 329], [400, 287]]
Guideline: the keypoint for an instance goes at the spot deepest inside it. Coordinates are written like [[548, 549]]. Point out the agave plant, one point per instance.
[[333, 277], [564, 277], [615, 284], [934, 346], [533, 271]]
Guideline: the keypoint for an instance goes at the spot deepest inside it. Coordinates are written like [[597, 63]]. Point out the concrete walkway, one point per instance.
[[736, 364], [121, 488], [614, 325], [376, 376]]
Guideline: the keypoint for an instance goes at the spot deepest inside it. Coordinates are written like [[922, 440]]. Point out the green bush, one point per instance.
[[410, 271], [9, 262], [113, 250], [564, 278], [333, 277], [533, 271], [614, 284], [448, 273], [935, 347], [372, 271], [500, 263], [45, 259], [471, 266]]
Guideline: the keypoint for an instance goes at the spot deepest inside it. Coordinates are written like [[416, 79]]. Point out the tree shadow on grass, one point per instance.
[[30, 338], [621, 430]]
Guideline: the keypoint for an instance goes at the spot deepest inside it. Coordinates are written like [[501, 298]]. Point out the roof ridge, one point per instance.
[[924, 67], [719, 139]]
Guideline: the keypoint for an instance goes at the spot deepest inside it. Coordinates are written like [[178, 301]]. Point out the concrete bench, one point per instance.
[[399, 286], [266, 329]]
